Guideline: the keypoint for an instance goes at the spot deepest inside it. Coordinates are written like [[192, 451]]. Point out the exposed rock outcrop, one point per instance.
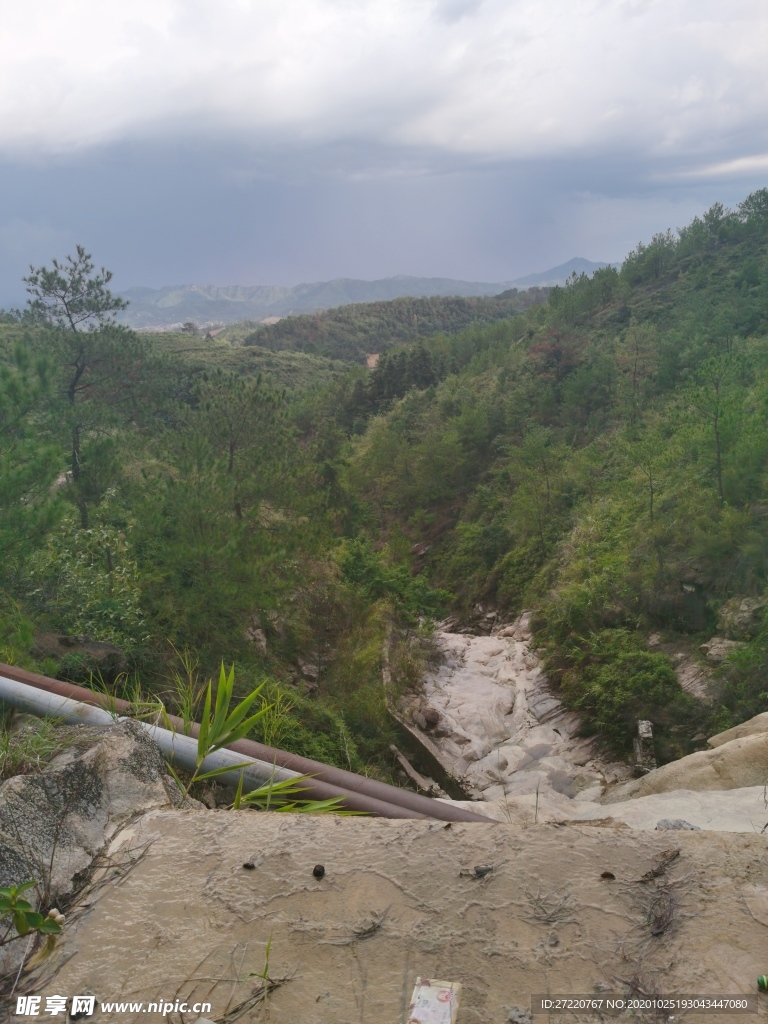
[[741, 617], [719, 649], [751, 727], [694, 674], [518, 753], [735, 765], [726, 810], [52, 825], [497, 727]]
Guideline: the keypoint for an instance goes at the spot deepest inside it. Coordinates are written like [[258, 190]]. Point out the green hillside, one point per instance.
[[285, 369], [604, 462], [600, 458], [352, 332]]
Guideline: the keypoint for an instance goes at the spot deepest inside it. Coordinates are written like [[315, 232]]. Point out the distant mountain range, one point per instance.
[[208, 305], [559, 275]]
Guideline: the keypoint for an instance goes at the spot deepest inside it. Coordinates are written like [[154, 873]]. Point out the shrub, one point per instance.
[[309, 727], [411, 596], [612, 680]]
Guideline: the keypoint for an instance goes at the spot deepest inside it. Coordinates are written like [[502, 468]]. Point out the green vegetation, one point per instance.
[[613, 680], [187, 356], [27, 750], [598, 454], [286, 797], [601, 459], [352, 332], [18, 918], [220, 728]]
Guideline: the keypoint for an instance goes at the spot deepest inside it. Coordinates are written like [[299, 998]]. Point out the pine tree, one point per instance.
[[98, 362]]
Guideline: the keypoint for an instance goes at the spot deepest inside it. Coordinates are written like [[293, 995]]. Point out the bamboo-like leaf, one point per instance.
[[331, 806], [238, 794], [242, 709], [223, 697], [239, 732], [205, 722], [215, 772], [273, 791], [175, 777]]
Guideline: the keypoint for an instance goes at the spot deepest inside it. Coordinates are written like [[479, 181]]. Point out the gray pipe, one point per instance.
[[323, 782], [177, 748]]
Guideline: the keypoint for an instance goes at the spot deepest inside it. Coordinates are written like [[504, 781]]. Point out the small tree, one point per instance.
[[71, 296], [97, 359], [245, 423], [715, 398]]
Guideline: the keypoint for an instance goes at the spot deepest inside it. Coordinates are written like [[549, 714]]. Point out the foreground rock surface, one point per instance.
[[53, 825], [400, 899]]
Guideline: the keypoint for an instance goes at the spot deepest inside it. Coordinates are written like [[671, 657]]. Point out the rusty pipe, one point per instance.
[[358, 791]]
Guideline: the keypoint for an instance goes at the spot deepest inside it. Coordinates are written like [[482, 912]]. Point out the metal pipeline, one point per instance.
[[358, 792], [182, 749], [179, 749]]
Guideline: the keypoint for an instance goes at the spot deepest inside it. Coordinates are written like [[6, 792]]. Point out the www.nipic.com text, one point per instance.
[[32, 1006]]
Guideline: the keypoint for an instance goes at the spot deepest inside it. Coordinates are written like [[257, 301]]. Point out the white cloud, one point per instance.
[[745, 166], [487, 78]]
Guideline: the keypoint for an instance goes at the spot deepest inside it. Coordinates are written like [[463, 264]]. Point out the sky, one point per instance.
[[280, 141]]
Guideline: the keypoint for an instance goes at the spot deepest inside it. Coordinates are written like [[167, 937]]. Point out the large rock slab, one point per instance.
[[731, 810], [733, 765], [497, 727], [751, 727], [401, 898]]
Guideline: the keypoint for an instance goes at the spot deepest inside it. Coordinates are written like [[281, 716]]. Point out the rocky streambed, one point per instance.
[[486, 712], [499, 728]]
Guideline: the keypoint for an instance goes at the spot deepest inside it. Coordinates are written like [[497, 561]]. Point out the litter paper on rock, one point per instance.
[[434, 1002]]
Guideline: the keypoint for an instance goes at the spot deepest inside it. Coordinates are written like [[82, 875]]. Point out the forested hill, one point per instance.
[[351, 332], [600, 458]]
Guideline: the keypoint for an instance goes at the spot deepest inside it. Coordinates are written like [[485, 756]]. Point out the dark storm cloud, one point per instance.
[[187, 140]]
